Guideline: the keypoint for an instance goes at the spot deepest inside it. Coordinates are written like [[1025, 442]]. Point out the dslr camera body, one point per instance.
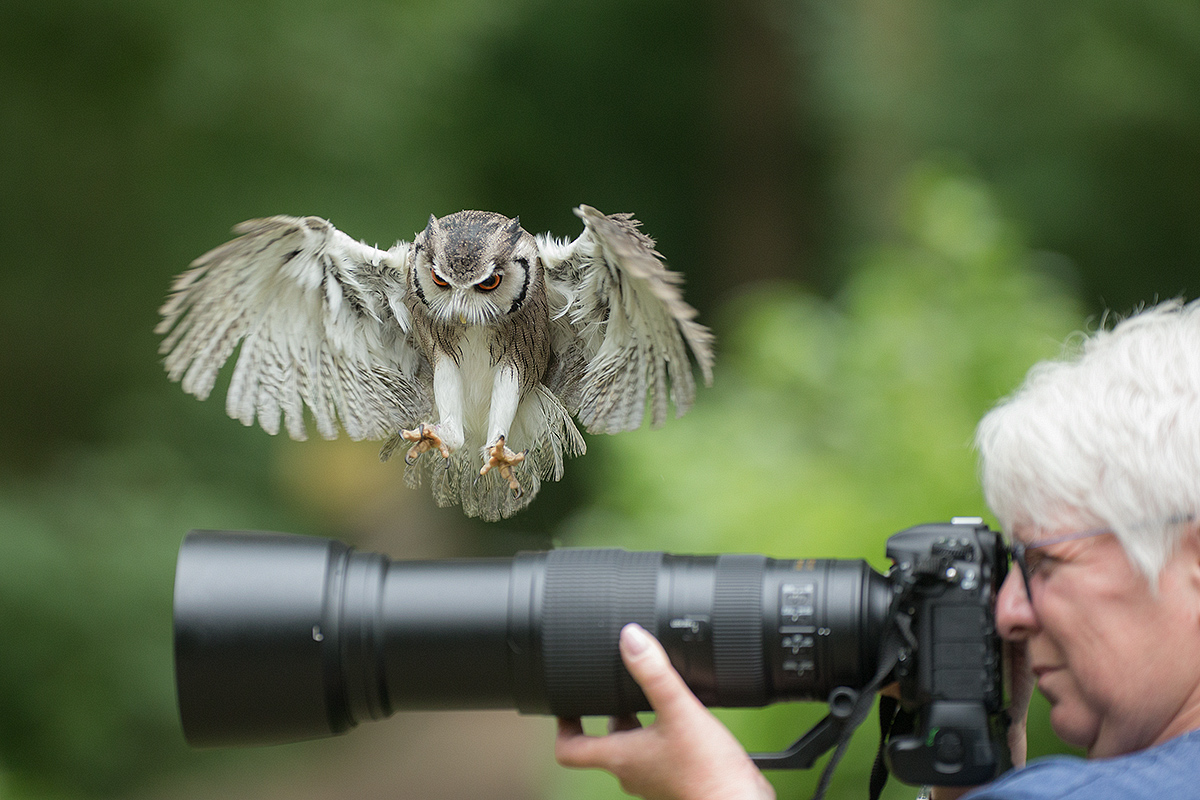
[[281, 637], [950, 671]]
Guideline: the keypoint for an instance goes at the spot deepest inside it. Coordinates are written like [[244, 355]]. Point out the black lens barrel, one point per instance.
[[254, 619], [281, 637]]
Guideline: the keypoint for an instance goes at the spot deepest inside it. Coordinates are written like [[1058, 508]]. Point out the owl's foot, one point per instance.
[[498, 455], [424, 437]]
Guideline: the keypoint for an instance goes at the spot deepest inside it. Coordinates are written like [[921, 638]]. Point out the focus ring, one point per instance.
[[738, 631]]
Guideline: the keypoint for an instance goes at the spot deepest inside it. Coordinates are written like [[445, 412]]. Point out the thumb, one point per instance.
[[649, 665]]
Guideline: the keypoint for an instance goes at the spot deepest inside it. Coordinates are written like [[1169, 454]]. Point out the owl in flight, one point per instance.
[[469, 349]]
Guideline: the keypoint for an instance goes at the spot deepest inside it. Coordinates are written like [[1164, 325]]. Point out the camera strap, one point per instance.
[[893, 718], [889, 654], [893, 721], [888, 706]]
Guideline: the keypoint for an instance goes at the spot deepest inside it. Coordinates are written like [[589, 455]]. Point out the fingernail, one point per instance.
[[635, 638]]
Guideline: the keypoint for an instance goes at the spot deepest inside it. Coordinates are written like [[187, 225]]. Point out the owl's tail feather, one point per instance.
[[489, 496], [544, 427], [457, 481]]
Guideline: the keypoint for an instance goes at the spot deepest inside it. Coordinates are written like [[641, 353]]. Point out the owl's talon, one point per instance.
[[498, 455], [424, 437]]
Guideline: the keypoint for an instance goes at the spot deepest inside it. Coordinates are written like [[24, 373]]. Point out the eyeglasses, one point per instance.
[[1020, 549]]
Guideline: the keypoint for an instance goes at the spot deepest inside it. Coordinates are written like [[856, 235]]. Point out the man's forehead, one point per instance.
[[1051, 528]]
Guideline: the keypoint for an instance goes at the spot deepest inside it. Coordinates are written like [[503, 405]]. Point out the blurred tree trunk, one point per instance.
[[762, 171]]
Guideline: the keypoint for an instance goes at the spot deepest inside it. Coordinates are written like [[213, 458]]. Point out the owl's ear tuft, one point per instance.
[[513, 233], [432, 230]]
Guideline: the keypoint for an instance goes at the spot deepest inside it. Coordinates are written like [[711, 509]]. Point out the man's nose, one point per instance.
[[1015, 617]]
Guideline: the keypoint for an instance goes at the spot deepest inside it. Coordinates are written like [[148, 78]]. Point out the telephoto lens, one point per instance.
[[281, 637]]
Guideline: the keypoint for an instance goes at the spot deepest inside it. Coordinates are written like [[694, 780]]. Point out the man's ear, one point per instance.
[[1189, 552]]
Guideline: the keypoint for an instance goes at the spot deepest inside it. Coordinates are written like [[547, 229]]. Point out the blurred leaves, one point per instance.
[[1084, 116], [86, 561]]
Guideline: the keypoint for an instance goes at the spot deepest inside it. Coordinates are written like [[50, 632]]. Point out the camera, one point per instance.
[[281, 637]]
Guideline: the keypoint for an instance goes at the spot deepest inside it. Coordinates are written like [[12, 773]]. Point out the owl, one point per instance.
[[471, 350]]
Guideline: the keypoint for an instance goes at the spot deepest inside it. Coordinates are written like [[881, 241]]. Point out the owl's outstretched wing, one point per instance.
[[630, 321], [321, 321]]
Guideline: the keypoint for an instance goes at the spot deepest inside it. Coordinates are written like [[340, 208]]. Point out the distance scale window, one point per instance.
[[797, 631]]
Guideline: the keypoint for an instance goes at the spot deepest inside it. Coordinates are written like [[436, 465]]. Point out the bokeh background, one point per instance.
[[887, 210]]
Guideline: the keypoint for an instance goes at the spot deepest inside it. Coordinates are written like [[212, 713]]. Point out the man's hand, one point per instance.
[[686, 754], [1020, 691]]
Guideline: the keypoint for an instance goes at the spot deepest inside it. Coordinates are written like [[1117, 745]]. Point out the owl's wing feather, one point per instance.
[[321, 322], [631, 323]]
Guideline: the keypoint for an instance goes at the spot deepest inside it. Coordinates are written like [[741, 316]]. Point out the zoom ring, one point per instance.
[[589, 596]]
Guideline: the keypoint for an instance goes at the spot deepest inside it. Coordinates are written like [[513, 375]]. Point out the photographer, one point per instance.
[[1093, 468]]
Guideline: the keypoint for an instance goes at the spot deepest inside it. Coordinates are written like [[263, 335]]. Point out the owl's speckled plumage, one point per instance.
[[477, 341]]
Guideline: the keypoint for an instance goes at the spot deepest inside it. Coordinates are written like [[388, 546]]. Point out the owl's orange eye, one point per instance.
[[488, 284], [438, 279]]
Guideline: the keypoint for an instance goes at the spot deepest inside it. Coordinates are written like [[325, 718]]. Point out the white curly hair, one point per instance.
[[1108, 435]]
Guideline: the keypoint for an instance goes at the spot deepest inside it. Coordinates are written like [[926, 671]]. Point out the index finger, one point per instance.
[[650, 666]]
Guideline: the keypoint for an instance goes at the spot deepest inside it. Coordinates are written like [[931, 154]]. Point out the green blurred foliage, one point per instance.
[[834, 423], [86, 693], [1084, 115], [887, 210]]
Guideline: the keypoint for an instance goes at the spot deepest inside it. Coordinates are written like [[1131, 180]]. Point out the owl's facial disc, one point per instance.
[[473, 267]]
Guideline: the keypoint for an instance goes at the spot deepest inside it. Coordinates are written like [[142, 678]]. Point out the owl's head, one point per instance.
[[474, 267]]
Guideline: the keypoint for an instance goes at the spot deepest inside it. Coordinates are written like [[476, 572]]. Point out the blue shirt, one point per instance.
[[1169, 771]]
